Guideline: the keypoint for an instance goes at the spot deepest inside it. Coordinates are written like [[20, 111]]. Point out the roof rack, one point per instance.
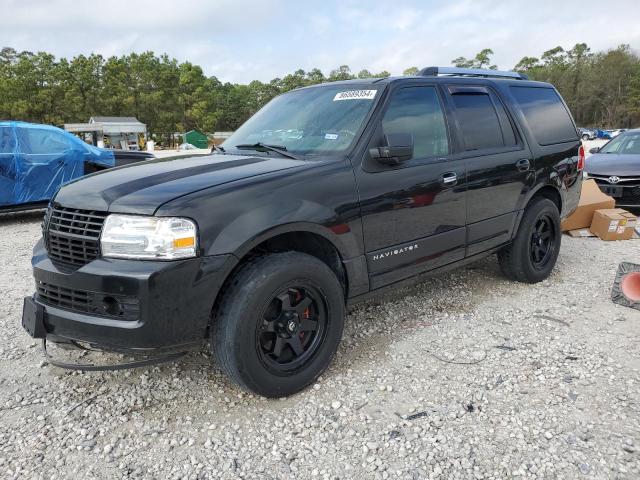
[[470, 72]]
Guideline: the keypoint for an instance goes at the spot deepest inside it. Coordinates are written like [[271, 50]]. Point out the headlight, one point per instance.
[[148, 238]]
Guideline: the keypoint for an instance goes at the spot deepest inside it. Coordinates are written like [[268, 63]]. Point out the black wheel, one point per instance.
[[533, 253], [278, 323], [585, 137]]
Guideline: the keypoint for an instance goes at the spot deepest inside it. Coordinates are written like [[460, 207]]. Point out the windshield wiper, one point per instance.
[[280, 149]]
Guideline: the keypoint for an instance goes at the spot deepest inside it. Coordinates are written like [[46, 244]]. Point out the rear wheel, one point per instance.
[[278, 323], [533, 253]]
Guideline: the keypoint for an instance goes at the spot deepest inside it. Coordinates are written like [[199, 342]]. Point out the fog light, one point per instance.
[[111, 306]]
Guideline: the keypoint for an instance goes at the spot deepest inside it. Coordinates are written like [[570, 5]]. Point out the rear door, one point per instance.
[[499, 166], [413, 214]]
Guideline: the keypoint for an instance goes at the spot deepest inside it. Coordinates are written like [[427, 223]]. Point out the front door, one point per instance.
[[413, 214]]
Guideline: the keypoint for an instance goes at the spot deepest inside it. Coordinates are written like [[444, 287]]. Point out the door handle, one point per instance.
[[449, 179], [523, 165]]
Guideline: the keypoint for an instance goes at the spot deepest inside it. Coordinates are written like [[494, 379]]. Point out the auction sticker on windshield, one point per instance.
[[355, 95]]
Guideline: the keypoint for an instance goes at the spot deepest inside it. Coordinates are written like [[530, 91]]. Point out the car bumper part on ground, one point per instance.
[[125, 305]]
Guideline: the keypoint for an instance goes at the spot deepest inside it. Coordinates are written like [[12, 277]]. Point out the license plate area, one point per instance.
[[612, 190]]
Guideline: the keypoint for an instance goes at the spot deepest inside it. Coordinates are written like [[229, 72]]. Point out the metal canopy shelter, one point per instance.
[[118, 129]]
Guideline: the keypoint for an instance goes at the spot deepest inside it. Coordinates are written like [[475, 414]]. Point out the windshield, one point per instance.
[[625, 144], [313, 120]]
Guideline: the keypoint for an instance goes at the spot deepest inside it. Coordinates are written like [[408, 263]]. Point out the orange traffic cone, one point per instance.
[[626, 287]]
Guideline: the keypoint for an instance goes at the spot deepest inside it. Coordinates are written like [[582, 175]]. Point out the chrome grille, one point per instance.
[[622, 181], [72, 236]]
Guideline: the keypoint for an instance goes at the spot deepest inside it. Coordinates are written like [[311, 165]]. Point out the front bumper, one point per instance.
[[172, 301], [626, 196]]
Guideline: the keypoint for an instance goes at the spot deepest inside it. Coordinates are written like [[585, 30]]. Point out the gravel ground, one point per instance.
[[463, 376]]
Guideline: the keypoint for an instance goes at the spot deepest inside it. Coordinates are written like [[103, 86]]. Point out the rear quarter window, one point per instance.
[[546, 115]]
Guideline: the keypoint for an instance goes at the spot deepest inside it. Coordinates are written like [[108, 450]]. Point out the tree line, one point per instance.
[[602, 89]]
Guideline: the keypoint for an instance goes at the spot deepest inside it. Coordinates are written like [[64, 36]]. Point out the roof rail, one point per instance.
[[470, 72]]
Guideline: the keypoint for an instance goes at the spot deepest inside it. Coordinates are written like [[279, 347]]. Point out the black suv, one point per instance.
[[324, 197]]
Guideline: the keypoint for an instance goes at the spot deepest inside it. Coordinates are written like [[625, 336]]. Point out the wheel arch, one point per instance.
[[309, 238], [547, 191], [543, 191]]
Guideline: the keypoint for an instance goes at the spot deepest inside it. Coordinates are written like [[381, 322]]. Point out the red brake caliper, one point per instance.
[[306, 313]]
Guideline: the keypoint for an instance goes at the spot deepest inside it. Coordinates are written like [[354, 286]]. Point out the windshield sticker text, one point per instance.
[[355, 95], [331, 136]]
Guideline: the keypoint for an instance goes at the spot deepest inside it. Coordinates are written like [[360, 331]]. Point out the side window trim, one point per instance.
[[497, 102]]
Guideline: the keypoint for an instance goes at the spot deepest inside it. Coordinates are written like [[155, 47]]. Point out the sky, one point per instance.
[[244, 40]]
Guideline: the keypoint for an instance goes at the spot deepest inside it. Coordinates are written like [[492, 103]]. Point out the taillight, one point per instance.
[[580, 158]]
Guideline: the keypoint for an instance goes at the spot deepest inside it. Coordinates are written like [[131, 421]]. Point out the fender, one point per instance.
[[295, 227], [355, 267], [259, 224]]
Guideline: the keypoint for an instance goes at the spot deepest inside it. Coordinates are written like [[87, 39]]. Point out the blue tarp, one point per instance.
[[35, 160]]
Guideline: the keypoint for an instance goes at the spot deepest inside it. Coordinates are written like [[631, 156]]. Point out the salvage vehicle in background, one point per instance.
[[325, 197], [587, 133], [616, 168], [35, 160]]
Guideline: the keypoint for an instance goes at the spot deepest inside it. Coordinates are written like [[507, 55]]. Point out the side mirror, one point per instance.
[[398, 148], [594, 150]]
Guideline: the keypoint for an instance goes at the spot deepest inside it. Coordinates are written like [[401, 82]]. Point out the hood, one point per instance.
[[143, 187], [613, 164]]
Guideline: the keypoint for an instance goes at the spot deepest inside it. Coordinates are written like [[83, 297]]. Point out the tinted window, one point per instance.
[[478, 120], [41, 141], [546, 115], [416, 110]]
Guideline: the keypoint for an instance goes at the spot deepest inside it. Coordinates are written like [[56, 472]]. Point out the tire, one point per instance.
[[263, 333], [526, 259], [585, 137]]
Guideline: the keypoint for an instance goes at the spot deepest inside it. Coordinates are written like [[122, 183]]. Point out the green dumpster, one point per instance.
[[196, 138]]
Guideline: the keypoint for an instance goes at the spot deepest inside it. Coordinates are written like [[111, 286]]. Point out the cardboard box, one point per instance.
[[614, 224], [591, 199]]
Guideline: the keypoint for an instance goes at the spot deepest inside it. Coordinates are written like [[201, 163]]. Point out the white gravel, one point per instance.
[[546, 386]]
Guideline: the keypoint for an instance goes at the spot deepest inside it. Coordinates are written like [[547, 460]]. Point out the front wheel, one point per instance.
[[533, 253], [278, 323]]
